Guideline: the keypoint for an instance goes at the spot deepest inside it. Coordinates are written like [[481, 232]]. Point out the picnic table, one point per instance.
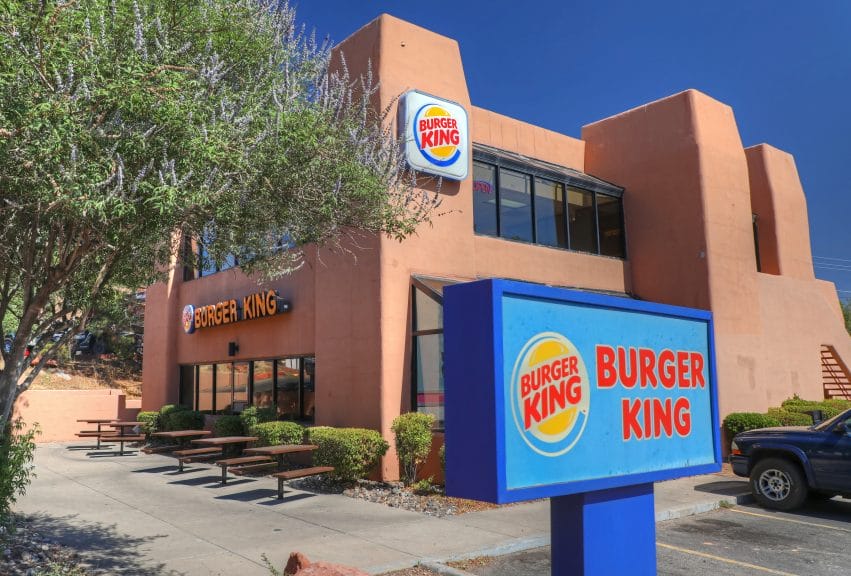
[[280, 451], [180, 436], [123, 436], [95, 433]]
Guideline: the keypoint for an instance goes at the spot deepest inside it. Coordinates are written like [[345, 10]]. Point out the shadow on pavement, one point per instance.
[[724, 487], [200, 480], [100, 545], [155, 470], [293, 498], [250, 495]]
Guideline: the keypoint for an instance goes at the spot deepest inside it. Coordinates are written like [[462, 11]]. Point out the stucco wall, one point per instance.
[[57, 411]]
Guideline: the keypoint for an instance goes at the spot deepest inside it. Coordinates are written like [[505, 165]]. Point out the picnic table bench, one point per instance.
[[300, 473], [195, 455], [239, 461], [179, 436], [96, 433]]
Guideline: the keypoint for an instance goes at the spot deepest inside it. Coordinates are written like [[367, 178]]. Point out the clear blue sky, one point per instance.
[[783, 65]]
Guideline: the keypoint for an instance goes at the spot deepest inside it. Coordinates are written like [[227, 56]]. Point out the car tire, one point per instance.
[[778, 484]]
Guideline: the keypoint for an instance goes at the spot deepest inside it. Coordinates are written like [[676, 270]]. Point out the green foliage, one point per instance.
[[274, 433], [413, 442], [424, 486], [17, 449], [151, 422], [182, 420], [829, 408], [123, 122], [228, 426], [736, 422], [787, 418], [442, 455], [353, 452], [846, 313], [252, 416]]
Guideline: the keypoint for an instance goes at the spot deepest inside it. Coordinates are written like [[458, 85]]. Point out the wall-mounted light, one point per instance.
[[233, 348]]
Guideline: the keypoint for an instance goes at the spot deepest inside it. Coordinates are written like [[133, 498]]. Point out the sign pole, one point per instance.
[[604, 532]]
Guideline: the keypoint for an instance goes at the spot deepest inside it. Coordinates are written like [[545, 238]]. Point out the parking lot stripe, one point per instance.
[[779, 519], [725, 560]]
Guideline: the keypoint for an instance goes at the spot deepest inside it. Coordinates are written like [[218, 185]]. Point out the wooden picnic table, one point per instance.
[[281, 450], [181, 436], [100, 422], [225, 441], [122, 436]]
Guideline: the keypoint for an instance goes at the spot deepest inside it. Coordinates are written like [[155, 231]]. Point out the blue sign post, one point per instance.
[[583, 398]]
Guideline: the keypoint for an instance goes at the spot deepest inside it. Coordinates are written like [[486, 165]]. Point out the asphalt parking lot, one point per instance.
[[740, 541]]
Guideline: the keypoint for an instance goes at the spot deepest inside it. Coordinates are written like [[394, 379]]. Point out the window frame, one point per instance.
[[568, 178]]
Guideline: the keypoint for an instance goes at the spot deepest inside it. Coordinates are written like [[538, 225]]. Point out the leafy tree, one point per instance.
[[846, 312], [129, 126]]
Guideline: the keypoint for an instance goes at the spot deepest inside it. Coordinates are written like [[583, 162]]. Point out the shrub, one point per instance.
[[787, 418], [274, 433], [17, 449], [151, 422], [442, 455], [413, 442], [829, 408], [228, 426], [736, 422], [183, 420], [353, 452], [252, 416]]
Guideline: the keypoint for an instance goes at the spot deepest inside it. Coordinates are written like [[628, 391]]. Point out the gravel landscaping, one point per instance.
[[25, 552]]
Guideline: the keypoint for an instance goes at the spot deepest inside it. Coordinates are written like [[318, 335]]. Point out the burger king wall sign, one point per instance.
[[552, 392], [436, 135]]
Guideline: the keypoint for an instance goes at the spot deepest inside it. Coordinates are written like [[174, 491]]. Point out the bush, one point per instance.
[[442, 455], [829, 408], [17, 449], [151, 422], [228, 426], [413, 442], [274, 433], [252, 416], [736, 422], [353, 452], [183, 420], [787, 418]]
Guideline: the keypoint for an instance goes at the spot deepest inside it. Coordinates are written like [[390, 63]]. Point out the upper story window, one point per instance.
[[532, 201]]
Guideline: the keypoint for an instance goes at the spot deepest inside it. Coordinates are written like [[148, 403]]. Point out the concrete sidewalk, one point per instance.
[[137, 515]]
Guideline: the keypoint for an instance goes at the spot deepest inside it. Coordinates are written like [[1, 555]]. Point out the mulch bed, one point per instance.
[[25, 552]]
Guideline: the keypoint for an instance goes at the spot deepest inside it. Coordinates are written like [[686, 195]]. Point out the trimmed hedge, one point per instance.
[[787, 418], [353, 452], [736, 422], [183, 420], [829, 408], [228, 426], [412, 432], [274, 433], [151, 422], [252, 416]]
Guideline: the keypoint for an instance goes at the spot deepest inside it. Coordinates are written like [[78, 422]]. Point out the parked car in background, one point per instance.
[[7, 342], [786, 465], [84, 343]]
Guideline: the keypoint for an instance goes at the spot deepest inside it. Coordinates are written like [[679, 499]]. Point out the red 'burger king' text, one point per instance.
[[550, 388]]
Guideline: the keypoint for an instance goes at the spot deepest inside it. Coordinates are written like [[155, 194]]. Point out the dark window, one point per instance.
[[264, 384], [515, 206], [241, 383], [427, 350], [484, 199], [610, 218], [187, 386], [549, 213], [224, 388], [289, 377], [755, 222], [581, 220], [546, 205]]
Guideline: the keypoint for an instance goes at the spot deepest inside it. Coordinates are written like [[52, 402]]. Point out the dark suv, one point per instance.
[[785, 465]]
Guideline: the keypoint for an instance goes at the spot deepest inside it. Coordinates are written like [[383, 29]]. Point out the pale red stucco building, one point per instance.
[[658, 203]]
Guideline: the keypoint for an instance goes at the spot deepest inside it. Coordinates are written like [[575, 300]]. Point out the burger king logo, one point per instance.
[[188, 318], [550, 394], [435, 135]]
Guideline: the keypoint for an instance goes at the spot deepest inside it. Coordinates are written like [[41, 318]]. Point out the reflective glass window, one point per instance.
[[264, 384], [309, 390], [610, 218], [288, 378], [428, 373], [224, 388], [515, 206], [549, 213], [206, 374], [484, 198], [581, 220]]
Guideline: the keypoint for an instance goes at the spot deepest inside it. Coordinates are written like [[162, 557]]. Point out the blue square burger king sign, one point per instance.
[[436, 135]]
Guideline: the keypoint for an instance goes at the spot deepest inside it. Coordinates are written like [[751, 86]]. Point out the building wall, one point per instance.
[[56, 411], [691, 189]]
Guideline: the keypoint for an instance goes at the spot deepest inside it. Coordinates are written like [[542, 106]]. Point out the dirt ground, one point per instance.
[[88, 378]]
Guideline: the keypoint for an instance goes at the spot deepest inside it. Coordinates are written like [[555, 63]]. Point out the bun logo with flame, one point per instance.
[[437, 135], [188, 318], [550, 394]]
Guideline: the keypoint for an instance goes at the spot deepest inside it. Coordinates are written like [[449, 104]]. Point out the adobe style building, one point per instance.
[[660, 203]]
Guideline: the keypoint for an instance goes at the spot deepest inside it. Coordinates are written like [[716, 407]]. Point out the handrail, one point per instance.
[[835, 371]]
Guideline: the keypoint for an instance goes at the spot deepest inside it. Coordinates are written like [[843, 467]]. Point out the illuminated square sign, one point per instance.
[[436, 135], [552, 392]]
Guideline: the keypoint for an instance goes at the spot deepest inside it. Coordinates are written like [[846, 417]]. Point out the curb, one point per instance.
[[703, 507]]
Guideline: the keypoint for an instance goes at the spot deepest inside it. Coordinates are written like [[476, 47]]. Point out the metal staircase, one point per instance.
[[835, 376]]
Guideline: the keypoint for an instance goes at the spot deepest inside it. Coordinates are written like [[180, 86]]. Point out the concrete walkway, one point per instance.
[[137, 515]]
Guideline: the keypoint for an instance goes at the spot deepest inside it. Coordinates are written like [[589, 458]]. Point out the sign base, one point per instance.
[[604, 532]]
